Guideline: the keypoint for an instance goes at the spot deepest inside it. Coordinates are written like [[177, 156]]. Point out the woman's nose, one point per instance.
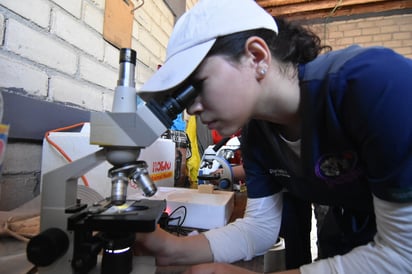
[[196, 107]]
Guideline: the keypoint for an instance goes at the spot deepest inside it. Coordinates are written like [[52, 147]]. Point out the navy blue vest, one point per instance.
[[356, 133]]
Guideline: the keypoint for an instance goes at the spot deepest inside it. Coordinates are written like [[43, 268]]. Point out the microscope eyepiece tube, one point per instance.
[[127, 61], [125, 96], [168, 110], [127, 55], [177, 103]]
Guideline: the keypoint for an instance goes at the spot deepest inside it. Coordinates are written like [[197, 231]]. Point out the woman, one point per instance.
[[333, 129]]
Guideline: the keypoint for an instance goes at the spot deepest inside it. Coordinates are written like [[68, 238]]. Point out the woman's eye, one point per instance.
[[198, 85]]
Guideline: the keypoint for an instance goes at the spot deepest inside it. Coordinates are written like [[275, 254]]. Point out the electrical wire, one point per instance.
[[178, 228], [60, 150]]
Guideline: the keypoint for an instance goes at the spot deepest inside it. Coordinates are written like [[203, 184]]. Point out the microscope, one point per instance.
[[74, 235], [216, 158]]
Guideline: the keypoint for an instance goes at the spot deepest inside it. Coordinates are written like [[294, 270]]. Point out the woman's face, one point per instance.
[[227, 93]]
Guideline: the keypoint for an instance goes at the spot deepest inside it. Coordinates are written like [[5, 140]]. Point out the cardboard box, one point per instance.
[[203, 210]]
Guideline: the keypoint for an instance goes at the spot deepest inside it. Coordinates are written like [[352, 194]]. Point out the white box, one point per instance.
[[204, 210], [160, 158]]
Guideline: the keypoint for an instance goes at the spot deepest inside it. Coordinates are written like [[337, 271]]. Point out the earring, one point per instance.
[[263, 71]]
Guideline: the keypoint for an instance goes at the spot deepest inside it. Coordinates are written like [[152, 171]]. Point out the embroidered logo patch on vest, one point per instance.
[[337, 168], [279, 172]]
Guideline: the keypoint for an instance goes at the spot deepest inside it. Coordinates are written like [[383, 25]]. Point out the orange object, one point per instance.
[[59, 149]]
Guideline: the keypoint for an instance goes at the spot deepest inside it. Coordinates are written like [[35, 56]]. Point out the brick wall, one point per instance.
[[393, 31], [54, 50]]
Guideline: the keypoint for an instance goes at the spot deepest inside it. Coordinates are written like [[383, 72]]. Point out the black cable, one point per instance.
[[177, 229], [176, 209]]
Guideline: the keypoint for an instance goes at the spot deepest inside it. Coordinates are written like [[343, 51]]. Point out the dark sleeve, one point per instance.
[[375, 105]]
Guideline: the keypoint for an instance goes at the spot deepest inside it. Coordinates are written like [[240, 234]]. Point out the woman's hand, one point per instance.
[[169, 249], [153, 244], [217, 268]]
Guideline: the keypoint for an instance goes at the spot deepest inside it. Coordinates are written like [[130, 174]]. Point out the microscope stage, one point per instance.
[[133, 216]]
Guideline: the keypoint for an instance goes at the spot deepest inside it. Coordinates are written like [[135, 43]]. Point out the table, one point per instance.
[[13, 259]]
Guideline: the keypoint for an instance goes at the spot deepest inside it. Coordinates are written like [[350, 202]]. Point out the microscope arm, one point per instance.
[[59, 193], [56, 197]]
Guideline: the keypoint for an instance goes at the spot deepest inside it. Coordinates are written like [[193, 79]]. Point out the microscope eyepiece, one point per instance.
[[168, 110], [127, 64], [127, 55], [184, 98]]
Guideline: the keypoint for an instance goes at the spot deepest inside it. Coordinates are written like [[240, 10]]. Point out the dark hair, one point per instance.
[[293, 43]]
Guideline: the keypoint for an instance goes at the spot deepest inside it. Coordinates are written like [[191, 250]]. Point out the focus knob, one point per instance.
[[47, 247], [224, 184]]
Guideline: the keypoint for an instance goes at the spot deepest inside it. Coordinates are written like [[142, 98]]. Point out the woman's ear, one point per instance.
[[258, 50]]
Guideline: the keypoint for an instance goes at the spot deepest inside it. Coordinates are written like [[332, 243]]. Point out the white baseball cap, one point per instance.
[[195, 33]]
